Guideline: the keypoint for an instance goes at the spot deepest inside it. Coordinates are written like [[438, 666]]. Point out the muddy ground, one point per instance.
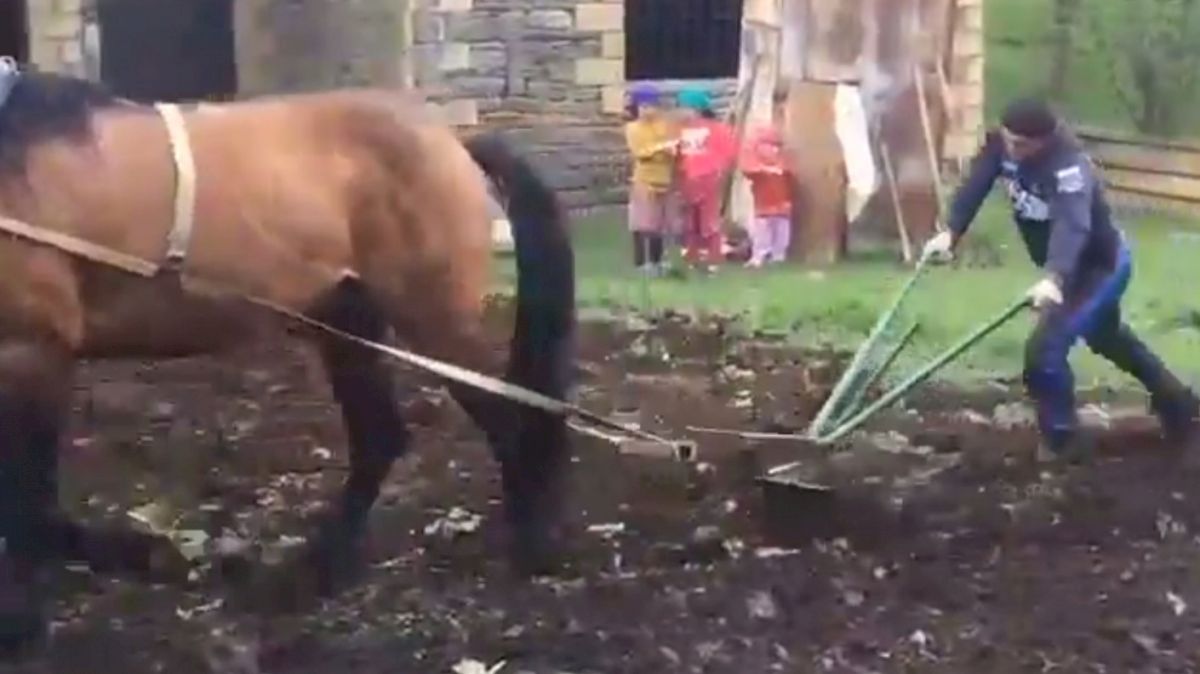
[[943, 551]]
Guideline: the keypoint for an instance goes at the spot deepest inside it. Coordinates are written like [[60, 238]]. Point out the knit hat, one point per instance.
[[695, 98], [1030, 117], [644, 94]]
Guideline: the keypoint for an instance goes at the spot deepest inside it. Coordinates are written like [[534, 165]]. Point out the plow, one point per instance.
[[788, 488]]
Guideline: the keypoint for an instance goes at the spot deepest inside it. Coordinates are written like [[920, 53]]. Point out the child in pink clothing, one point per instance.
[[707, 151], [765, 164]]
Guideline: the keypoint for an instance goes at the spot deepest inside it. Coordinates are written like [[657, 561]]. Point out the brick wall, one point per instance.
[[296, 45]]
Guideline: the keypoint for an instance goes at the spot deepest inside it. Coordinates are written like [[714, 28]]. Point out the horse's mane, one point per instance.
[[46, 106]]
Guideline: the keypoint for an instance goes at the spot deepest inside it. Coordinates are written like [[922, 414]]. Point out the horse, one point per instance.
[[356, 208]]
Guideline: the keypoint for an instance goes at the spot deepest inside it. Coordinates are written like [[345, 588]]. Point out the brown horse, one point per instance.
[[355, 208]]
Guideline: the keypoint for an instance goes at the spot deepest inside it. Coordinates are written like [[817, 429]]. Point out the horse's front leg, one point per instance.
[[34, 389]]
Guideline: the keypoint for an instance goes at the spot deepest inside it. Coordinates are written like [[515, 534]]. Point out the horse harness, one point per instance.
[[180, 235], [182, 225]]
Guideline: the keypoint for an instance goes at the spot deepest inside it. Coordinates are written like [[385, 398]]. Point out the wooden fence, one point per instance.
[[1145, 174]]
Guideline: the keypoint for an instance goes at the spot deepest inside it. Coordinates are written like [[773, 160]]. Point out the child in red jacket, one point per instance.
[[707, 151]]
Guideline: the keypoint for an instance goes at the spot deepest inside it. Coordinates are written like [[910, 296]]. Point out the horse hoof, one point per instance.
[[334, 566], [534, 555], [319, 570], [23, 635], [24, 627], [149, 558]]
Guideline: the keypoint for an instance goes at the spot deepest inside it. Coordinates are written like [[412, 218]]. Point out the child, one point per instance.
[[766, 166], [706, 151], [652, 144]]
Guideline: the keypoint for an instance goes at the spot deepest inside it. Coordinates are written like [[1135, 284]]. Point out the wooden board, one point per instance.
[[838, 39], [819, 214]]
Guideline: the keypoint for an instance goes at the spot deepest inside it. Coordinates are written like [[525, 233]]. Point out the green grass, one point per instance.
[[1018, 61], [838, 306]]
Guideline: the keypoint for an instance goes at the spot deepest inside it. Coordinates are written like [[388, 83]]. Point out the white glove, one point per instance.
[[940, 248], [1045, 293]]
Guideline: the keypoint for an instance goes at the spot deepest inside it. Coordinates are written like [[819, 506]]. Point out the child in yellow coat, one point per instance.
[[652, 141]]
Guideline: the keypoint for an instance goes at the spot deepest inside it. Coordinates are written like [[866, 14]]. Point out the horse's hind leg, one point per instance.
[[375, 428], [532, 466], [529, 444]]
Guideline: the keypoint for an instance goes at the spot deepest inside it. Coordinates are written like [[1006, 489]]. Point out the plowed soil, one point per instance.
[[940, 549]]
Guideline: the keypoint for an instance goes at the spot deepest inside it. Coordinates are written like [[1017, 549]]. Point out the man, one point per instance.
[[1063, 216]]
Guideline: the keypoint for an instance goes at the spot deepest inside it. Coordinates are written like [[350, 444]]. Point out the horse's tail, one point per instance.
[[543, 344]]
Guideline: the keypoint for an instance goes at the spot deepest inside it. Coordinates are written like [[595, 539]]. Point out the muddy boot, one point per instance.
[[1178, 412]]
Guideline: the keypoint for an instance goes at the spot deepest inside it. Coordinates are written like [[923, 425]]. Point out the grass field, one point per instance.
[[838, 306]]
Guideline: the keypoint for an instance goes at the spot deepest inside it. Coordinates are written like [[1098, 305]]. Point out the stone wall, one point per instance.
[[553, 71], [518, 58], [57, 36], [297, 45]]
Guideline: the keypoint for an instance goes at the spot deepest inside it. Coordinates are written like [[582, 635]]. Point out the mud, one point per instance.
[[946, 551]]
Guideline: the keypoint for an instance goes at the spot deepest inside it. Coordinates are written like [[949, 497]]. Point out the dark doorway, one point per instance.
[[181, 50], [14, 30], [682, 39]]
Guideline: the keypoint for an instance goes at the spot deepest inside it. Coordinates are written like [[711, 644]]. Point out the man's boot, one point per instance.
[[1064, 447], [1178, 411]]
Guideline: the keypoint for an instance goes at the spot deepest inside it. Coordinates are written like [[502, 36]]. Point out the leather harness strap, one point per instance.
[[80, 247], [180, 236]]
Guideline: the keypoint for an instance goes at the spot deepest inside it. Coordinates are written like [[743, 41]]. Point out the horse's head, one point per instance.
[[37, 107]]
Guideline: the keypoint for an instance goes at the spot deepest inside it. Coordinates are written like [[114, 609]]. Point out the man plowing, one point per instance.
[[1060, 208]]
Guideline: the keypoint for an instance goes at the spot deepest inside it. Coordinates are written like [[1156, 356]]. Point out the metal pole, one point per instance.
[[877, 375], [842, 389], [925, 372]]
